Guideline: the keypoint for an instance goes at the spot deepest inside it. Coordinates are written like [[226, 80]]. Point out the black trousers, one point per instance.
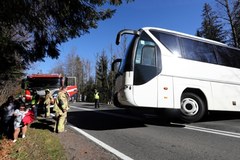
[[96, 103]]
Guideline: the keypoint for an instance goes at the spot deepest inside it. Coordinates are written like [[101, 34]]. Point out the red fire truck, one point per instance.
[[40, 82]]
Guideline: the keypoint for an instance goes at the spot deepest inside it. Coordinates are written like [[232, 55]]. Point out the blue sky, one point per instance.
[[179, 15]]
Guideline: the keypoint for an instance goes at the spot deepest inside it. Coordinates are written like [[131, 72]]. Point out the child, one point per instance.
[[19, 114]]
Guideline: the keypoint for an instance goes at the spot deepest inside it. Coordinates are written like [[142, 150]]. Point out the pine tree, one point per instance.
[[211, 27], [102, 76], [79, 75]]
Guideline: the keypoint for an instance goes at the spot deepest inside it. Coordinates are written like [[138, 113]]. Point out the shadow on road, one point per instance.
[[221, 115], [116, 118], [108, 120]]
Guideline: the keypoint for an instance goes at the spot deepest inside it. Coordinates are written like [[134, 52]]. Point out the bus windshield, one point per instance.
[[127, 63]]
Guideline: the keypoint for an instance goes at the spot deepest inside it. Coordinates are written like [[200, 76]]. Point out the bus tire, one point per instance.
[[192, 107]]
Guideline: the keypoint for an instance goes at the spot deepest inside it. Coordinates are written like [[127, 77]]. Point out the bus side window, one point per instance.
[[198, 51], [228, 57], [148, 55]]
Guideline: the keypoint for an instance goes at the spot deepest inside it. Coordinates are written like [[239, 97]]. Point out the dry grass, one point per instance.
[[5, 149], [40, 143]]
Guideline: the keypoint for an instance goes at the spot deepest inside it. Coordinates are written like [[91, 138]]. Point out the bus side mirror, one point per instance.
[[113, 67]]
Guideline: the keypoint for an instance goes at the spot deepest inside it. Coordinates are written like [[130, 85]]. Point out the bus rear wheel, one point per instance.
[[192, 107]]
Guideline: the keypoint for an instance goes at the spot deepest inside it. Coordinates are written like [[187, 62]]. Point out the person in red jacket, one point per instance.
[[28, 96]]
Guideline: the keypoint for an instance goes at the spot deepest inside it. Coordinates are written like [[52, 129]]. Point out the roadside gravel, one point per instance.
[[78, 147]]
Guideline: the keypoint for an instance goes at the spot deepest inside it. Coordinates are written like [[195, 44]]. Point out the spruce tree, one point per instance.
[[211, 27], [102, 76]]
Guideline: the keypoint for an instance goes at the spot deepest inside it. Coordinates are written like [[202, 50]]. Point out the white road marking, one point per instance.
[[86, 109], [214, 131], [104, 145], [208, 130]]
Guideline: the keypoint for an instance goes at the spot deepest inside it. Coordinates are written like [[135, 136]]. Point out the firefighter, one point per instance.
[[96, 98], [27, 95], [35, 103], [61, 107], [47, 102]]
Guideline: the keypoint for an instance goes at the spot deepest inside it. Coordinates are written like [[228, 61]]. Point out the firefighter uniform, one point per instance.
[[35, 103], [47, 102], [60, 108]]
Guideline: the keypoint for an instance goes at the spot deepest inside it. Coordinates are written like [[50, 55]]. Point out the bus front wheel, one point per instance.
[[115, 101], [192, 107]]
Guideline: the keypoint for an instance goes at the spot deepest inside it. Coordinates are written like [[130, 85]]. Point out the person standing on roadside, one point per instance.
[[7, 118], [47, 102], [35, 103], [96, 98], [61, 107]]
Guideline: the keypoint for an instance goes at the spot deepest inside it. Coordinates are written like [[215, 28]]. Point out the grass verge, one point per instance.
[[40, 143]]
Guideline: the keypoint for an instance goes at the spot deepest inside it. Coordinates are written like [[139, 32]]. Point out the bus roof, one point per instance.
[[188, 36]]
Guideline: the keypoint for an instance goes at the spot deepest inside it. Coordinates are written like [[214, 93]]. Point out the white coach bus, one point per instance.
[[172, 70]]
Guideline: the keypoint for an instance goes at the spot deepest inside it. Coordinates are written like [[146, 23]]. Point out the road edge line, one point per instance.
[[102, 144]]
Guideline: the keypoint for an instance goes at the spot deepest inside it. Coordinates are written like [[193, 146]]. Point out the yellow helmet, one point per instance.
[[47, 90]]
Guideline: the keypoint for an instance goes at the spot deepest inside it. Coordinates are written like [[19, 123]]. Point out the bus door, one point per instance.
[[146, 68]]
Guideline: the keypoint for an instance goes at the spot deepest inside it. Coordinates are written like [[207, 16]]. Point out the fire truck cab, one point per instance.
[[40, 82]]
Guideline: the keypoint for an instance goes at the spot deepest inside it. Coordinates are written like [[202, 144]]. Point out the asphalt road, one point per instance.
[[150, 137]]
